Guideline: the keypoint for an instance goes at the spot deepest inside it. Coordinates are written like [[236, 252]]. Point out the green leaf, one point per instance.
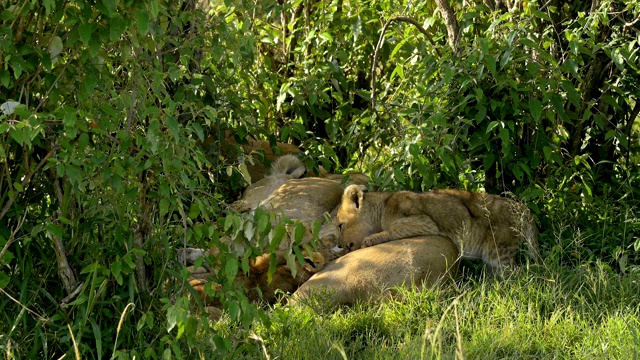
[[299, 232], [85, 29], [398, 71], [278, 233], [164, 207], [97, 334], [505, 58], [291, 262], [55, 47], [558, 105], [49, 5], [492, 125], [4, 279], [481, 114], [5, 78], [194, 210], [249, 230], [198, 130], [572, 93], [155, 8], [245, 172], [571, 67], [7, 15], [83, 141], [90, 84], [491, 64], [117, 27], [142, 20], [326, 36], [535, 107], [231, 270], [17, 135], [110, 6], [172, 124], [228, 221], [617, 58], [69, 121]]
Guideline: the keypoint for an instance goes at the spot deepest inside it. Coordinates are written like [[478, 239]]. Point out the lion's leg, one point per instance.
[[403, 228]]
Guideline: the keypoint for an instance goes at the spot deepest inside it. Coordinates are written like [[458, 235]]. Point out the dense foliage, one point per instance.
[[112, 115]]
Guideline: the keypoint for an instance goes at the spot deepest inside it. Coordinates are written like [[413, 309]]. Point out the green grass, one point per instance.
[[537, 313]]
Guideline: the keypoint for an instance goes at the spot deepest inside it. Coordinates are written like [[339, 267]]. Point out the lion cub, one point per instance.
[[482, 226]]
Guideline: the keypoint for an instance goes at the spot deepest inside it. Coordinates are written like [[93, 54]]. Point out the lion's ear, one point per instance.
[[353, 196]]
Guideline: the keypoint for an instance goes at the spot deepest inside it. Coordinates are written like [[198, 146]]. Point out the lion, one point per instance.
[[369, 274], [481, 225], [256, 284], [267, 192], [258, 151], [288, 195], [283, 169]]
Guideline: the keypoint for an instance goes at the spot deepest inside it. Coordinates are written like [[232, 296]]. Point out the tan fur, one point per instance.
[[257, 170], [313, 189], [348, 179], [305, 200], [481, 225], [282, 170], [283, 193], [369, 273]]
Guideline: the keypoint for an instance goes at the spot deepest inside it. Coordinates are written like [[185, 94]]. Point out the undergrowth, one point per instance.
[[541, 312]]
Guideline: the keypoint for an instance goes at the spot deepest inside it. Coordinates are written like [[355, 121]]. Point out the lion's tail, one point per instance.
[[288, 165]]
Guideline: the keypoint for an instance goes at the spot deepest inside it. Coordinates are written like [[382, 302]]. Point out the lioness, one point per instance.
[[368, 273], [276, 191], [256, 282], [302, 199], [282, 170], [481, 225]]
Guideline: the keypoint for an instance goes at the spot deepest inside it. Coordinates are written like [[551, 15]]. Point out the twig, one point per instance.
[[65, 302], [26, 180], [12, 238], [41, 318], [133, 102], [381, 42]]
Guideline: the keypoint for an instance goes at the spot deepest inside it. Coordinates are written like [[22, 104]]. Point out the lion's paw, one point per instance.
[[367, 242]]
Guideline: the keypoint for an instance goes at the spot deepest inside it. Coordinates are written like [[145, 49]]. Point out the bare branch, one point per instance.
[[65, 302]]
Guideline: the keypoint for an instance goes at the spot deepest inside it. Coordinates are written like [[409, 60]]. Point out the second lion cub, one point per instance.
[[483, 226]]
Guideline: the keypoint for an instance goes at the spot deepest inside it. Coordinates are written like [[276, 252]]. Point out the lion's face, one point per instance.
[[352, 223]]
